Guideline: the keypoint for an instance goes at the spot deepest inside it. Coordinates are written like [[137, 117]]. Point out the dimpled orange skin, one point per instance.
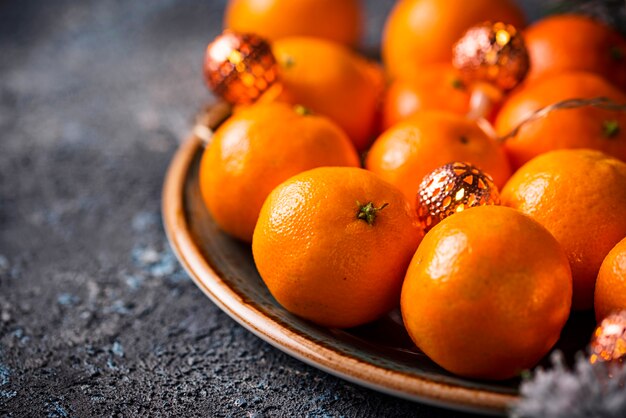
[[563, 43], [322, 263], [487, 293], [257, 149], [338, 21], [580, 197], [420, 32], [436, 87], [404, 154], [332, 80], [562, 129], [610, 293]]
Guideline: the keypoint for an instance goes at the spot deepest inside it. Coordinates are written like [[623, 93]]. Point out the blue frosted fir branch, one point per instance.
[[586, 391]]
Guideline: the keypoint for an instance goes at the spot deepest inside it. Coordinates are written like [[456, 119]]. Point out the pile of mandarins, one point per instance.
[[486, 291]]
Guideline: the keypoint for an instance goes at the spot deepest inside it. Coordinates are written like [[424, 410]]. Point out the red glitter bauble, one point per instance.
[[453, 188], [239, 67]]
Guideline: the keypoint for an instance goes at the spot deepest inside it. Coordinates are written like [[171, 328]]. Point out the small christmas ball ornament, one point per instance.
[[494, 53], [608, 343], [239, 67], [453, 188]]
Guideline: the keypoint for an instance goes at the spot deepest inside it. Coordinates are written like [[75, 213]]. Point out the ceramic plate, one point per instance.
[[379, 356]]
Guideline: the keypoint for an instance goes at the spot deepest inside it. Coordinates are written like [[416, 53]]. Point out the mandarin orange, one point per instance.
[[437, 87], [487, 293], [333, 244], [332, 80], [583, 127], [610, 293], [564, 43], [580, 197], [411, 149], [258, 148], [338, 21]]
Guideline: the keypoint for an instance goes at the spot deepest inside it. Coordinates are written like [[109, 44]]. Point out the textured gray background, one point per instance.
[[96, 316]]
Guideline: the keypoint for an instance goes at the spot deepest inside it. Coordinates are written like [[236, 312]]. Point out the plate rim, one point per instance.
[[365, 374]]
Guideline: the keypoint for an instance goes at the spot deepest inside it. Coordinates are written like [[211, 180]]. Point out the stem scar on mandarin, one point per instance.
[[611, 128], [368, 211]]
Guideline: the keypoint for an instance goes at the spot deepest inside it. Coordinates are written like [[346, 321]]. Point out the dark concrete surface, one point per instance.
[[96, 316]]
